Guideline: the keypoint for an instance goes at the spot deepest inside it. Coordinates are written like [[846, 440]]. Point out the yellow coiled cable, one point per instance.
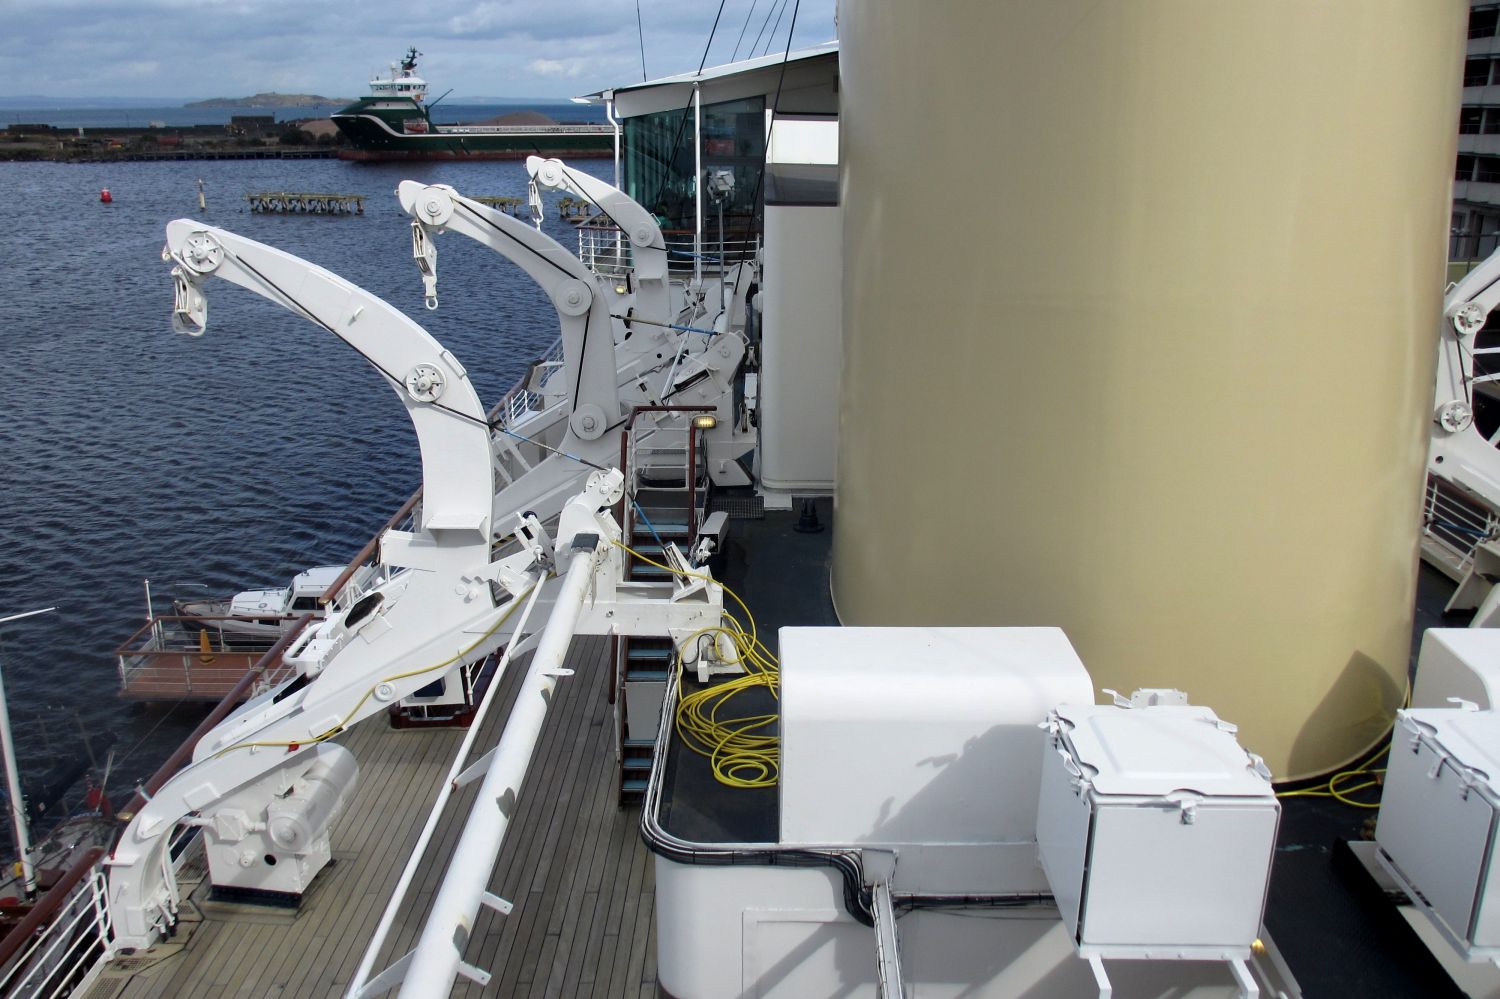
[[740, 751]]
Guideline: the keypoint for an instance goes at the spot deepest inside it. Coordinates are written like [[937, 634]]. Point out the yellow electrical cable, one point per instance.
[[339, 726], [739, 751], [1331, 787]]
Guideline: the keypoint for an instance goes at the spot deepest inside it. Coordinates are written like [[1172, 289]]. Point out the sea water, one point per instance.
[[206, 465]]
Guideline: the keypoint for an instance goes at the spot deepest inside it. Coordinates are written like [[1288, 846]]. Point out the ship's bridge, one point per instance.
[[713, 125], [413, 87]]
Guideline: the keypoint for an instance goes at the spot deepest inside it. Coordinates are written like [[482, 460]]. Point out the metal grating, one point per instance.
[[737, 506]]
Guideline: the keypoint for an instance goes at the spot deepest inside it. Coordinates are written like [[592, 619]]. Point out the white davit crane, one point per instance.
[[650, 359], [1463, 462], [265, 784]]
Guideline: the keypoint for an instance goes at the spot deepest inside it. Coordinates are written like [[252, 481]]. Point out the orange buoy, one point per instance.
[[104, 196]]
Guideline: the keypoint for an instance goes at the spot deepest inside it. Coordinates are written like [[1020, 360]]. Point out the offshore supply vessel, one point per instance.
[[783, 746], [394, 122]]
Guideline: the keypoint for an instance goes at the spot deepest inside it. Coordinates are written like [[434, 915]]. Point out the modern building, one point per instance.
[[1476, 178]]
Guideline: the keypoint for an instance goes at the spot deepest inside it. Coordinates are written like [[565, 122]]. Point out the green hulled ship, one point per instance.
[[393, 122]]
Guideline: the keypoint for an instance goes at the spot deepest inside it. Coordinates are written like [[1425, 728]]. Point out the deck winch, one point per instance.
[[278, 848]]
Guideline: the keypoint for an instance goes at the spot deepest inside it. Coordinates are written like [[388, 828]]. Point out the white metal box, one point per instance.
[[924, 742], [1458, 662], [1438, 820], [1156, 830]]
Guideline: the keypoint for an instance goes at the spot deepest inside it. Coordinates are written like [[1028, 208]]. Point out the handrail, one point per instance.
[[691, 471], [127, 648], [48, 905]]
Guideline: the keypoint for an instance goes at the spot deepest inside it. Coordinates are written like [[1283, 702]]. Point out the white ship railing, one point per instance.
[[1453, 525], [62, 956], [167, 660], [529, 395], [604, 250], [75, 947]]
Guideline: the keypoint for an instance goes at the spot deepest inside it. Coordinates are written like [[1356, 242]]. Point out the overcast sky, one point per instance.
[[189, 49]]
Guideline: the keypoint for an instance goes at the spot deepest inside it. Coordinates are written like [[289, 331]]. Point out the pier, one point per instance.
[[174, 658], [288, 202]]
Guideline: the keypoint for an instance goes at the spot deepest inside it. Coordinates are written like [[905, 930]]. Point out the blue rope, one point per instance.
[[1460, 528], [642, 514]]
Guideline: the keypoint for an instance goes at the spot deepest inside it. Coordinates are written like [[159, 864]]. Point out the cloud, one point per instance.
[[516, 48], [569, 68]]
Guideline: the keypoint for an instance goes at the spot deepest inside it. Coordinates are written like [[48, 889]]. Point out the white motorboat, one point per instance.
[[266, 614]]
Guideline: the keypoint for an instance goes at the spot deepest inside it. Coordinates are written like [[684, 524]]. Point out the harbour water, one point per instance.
[[213, 464]]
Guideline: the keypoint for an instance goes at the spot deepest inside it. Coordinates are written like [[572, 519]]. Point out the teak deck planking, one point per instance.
[[573, 865]]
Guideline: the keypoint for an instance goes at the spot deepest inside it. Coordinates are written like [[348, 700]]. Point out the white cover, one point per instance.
[[925, 739]]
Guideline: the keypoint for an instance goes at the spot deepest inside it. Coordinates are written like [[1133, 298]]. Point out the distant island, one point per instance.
[[270, 101]]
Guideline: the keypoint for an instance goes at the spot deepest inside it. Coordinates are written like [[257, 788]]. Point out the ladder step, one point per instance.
[[633, 675], [659, 654], [639, 743], [631, 765], [633, 785], [642, 536]]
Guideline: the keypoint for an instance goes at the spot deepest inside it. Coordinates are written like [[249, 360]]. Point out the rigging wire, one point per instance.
[[687, 109], [760, 174], [711, 31], [641, 34], [766, 21], [740, 39], [772, 36]]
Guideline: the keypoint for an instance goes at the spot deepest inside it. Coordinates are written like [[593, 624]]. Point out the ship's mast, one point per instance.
[[13, 779]]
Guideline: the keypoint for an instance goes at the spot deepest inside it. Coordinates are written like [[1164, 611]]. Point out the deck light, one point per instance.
[[705, 422]]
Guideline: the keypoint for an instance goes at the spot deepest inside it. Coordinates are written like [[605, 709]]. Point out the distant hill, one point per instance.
[[270, 101]]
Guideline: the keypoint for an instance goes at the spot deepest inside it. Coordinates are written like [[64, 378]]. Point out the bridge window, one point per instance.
[[659, 163]]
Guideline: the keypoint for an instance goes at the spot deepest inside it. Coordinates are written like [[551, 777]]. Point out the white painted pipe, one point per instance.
[[18, 826], [460, 760], [697, 187], [439, 952]]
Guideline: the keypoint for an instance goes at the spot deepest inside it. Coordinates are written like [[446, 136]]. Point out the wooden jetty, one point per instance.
[[291, 202]]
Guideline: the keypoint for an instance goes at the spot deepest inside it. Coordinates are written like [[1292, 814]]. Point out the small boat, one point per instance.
[[261, 613]]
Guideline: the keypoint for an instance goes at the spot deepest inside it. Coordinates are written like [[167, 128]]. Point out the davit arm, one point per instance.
[[452, 430], [412, 628], [1457, 450], [588, 343], [648, 247]]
